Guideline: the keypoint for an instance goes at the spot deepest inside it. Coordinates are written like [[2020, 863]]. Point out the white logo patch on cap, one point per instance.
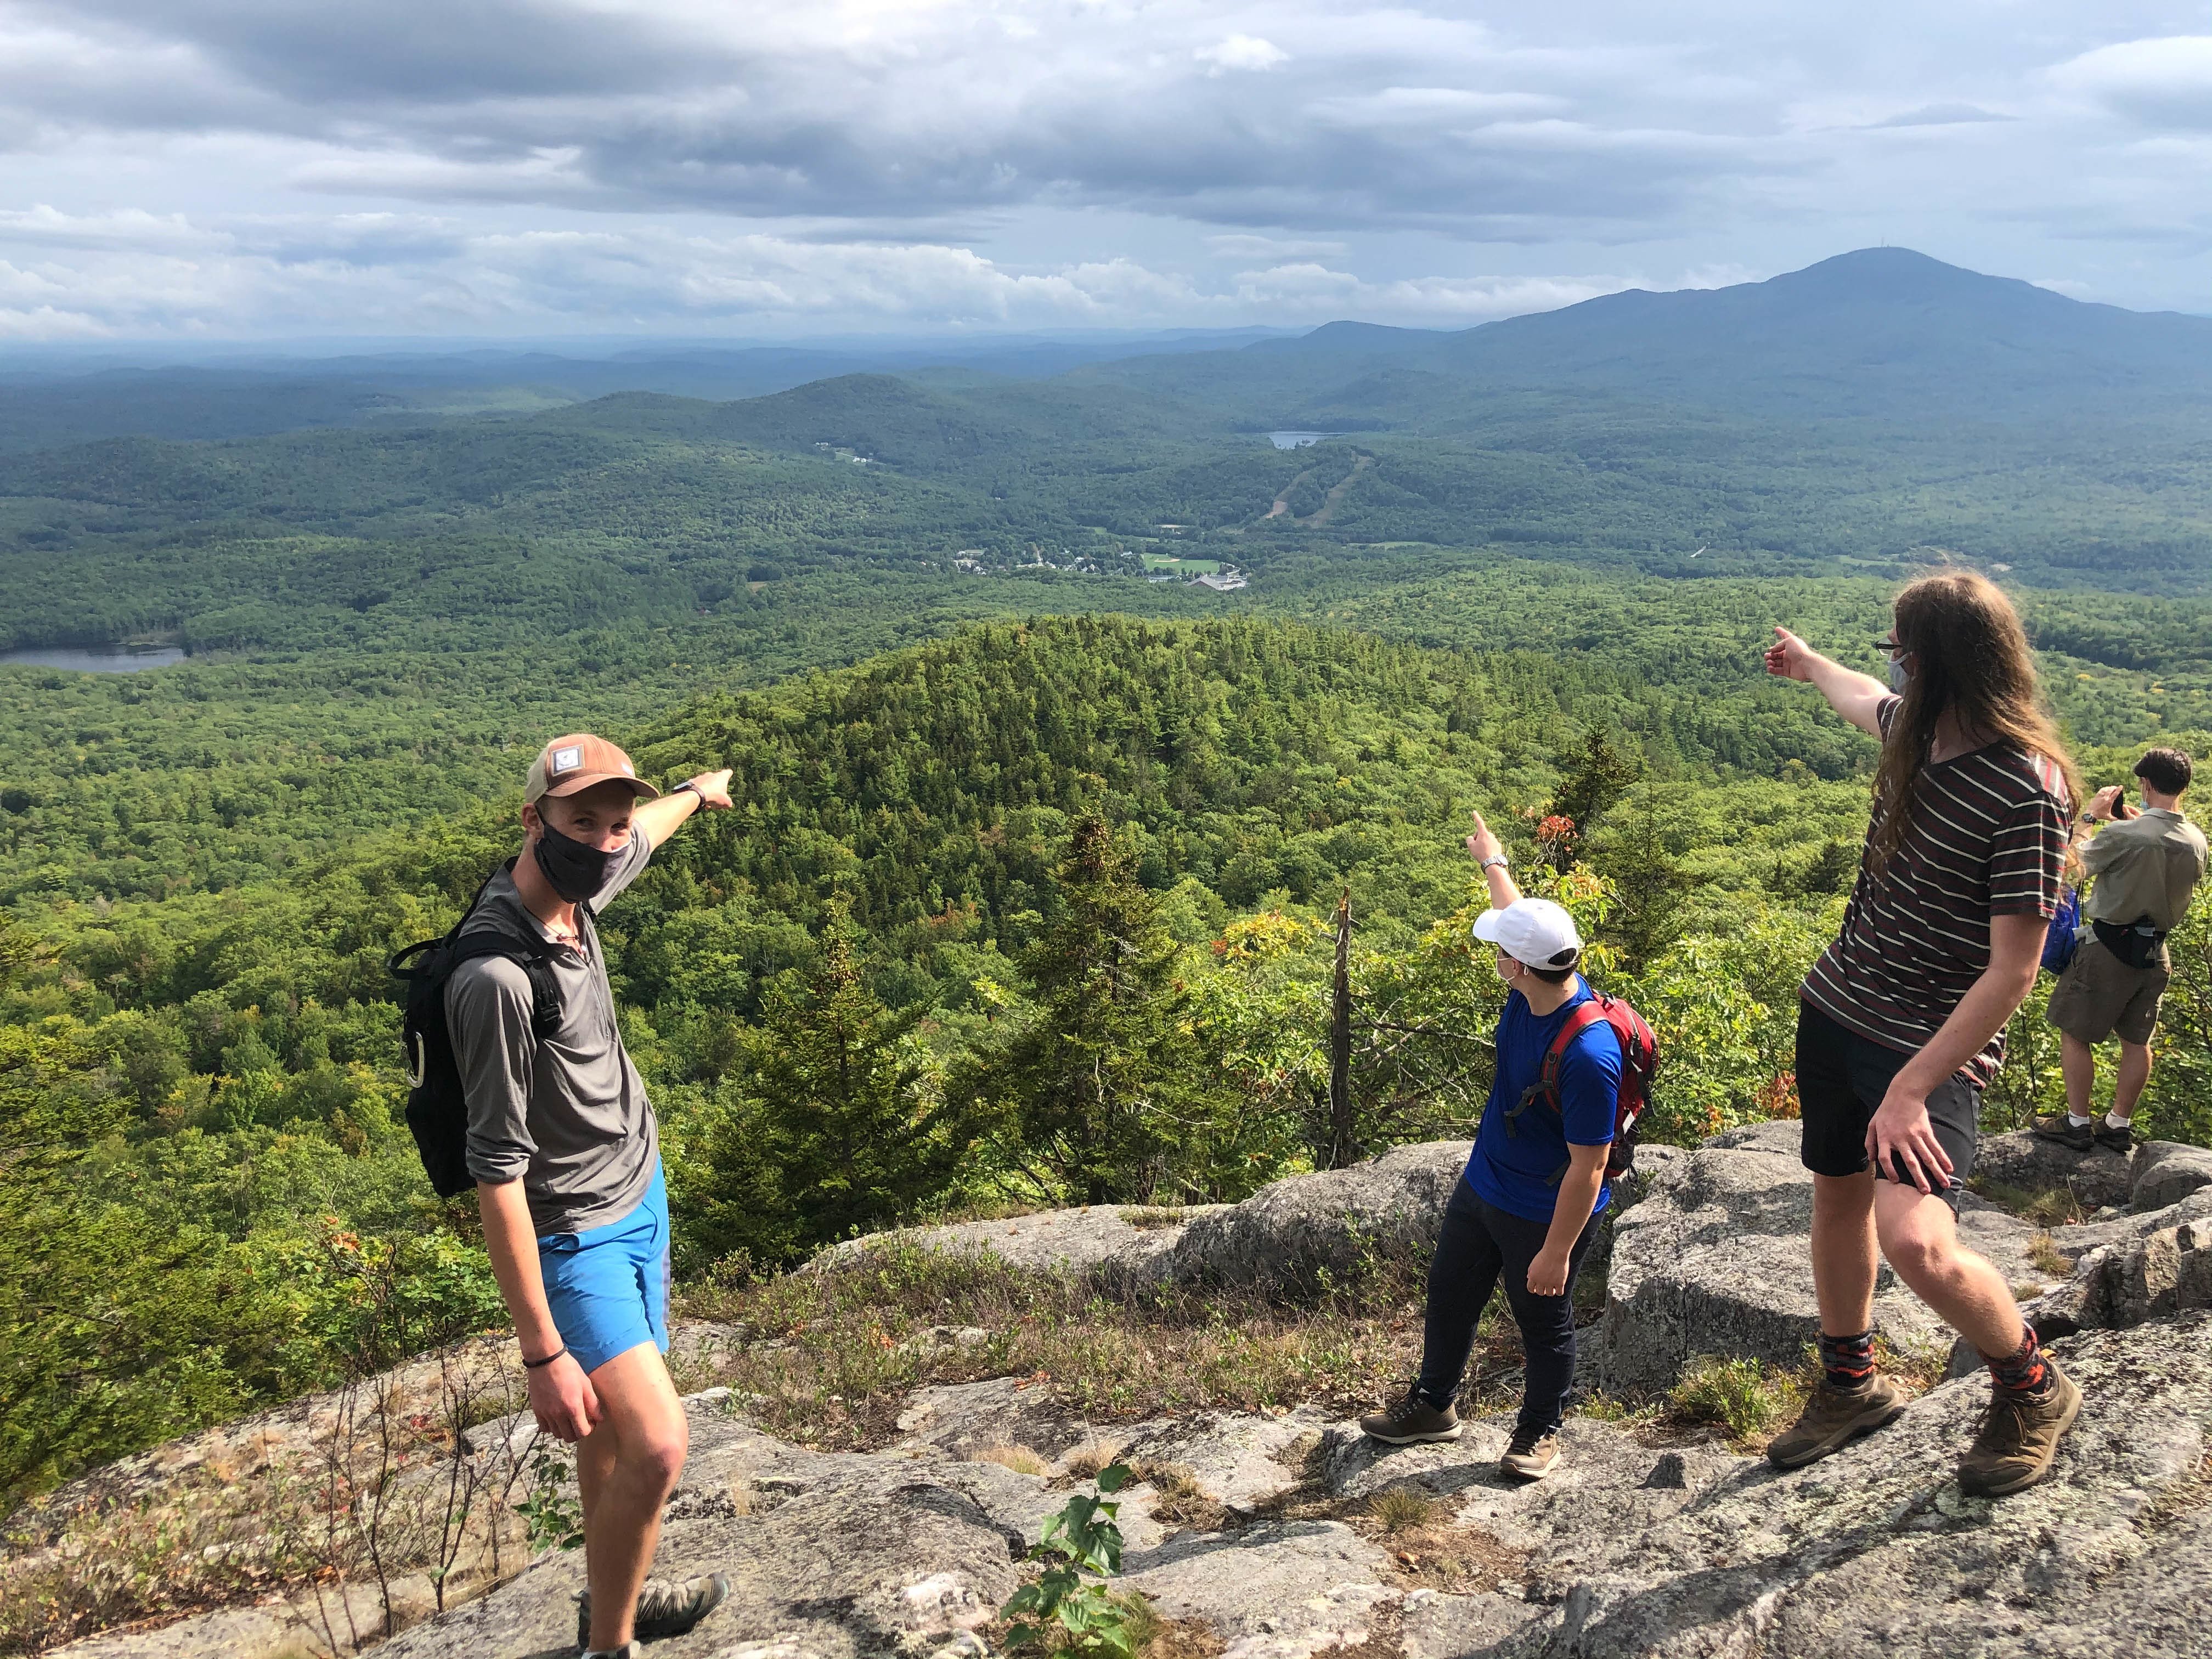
[[568, 759]]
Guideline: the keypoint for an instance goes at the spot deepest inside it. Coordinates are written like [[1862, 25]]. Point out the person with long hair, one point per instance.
[[1901, 1021]]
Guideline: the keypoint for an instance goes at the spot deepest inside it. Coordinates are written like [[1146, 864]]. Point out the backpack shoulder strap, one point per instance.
[[1583, 1016], [536, 961], [1546, 1088]]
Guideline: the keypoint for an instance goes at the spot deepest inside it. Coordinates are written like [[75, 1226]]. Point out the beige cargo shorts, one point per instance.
[[2099, 996]]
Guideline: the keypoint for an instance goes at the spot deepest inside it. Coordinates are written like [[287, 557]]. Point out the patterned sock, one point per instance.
[[1847, 1362], [2023, 1371]]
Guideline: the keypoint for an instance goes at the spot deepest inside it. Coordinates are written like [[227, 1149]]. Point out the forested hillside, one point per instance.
[[875, 990]]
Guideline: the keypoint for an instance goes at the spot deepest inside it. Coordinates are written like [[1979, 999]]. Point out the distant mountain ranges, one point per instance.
[[1884, 334], [1867, 415]]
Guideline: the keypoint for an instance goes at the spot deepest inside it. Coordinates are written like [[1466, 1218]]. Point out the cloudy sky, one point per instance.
[[259, 169]]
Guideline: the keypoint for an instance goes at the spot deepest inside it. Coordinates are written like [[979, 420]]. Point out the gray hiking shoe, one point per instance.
[[1531, 1455], [666, 1607], [1834, 1416], [1411, 1419], [2019, 1438]]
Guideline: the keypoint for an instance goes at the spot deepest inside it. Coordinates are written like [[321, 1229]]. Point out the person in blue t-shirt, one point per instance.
[[1527, 1208]]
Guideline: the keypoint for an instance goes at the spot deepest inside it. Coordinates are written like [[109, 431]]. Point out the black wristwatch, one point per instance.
[[693, 788]]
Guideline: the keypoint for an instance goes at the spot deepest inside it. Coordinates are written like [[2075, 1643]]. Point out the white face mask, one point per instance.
[[1899, 678]]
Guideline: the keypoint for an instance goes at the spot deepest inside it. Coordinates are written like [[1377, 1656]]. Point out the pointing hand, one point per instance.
[[1788, 657], [1483, 844]]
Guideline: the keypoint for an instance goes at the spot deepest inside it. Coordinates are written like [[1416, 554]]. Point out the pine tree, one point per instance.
[[1092, 1086], [1593, 778], [838, 1111]]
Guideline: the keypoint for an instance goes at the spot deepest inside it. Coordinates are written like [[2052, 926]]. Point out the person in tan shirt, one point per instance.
[[2147, 865]]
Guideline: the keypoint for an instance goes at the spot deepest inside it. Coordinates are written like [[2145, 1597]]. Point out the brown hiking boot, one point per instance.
[[1531, 1455], [1833, 1417], [2064, 1131], [2019, 1438], [1411, 1419]]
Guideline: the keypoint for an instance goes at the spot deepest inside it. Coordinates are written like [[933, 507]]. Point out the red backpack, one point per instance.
[[1639, 1058]]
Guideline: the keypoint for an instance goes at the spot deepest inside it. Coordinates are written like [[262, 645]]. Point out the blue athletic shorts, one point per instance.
[[608, 1288]]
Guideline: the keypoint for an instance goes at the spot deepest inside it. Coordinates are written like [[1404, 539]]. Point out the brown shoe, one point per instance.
[[1834, 1416], [1531, 1456], [1411, 1419], [2018, 1438]]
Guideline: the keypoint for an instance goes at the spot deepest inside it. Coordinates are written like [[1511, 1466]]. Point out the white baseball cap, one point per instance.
[[1533, 931]]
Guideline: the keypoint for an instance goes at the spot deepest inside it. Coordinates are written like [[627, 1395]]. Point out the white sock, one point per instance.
[[2114, 1120], [2078, 1122]]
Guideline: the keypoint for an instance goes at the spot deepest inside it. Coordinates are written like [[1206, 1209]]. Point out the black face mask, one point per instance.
[[572, 868]]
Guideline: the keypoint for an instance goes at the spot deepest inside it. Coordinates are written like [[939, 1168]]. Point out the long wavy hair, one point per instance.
[[1970, 655]]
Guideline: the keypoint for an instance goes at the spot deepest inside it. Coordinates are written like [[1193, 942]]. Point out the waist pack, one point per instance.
[[1639, 1059], [437, 1105], [2065, 932], [2136, 944]]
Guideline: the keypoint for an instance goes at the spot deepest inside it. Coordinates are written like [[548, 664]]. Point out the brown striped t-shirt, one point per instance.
[[1988, 838]]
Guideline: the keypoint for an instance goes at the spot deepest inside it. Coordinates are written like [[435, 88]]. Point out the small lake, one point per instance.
[[108, 660], [1298, 439]]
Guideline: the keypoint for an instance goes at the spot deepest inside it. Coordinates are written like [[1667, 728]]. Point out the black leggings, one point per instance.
[[1480, 1244]]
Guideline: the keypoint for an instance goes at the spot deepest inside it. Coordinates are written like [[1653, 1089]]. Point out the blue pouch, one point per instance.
[[2065, 931]]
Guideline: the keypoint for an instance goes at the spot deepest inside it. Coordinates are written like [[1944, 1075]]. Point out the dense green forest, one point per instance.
[[938, 855], [1030, 895]]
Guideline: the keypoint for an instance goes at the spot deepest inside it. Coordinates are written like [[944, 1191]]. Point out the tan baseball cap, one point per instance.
[[576, 762]]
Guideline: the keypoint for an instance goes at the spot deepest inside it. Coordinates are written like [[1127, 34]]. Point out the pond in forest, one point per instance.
[[96, 659]]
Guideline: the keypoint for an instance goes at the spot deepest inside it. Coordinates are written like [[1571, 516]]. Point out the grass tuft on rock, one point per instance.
[[1747, 1398], [829, 1355], [1401, 1508], [2047, 1206], [2043, 1251], [1020, 1459], [1086, 1460]]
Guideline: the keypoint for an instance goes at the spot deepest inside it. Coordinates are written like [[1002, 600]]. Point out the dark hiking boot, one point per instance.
[[1532, 1454], [2121, 1140], [664, 1607], [1411, 1419], [2062, 1131], [2019, 1438], [1833, 1417]]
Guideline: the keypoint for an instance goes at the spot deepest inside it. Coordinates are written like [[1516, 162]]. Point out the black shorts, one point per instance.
[[1841, 1079]]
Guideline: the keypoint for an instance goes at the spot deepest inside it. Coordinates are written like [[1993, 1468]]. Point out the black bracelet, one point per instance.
[[534, 1364]]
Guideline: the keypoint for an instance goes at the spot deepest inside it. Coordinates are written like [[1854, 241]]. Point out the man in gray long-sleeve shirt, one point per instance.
[[567, 1158], [2146, 865]]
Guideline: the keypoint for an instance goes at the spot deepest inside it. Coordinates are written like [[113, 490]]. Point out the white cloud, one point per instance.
[[1242, 52], [1309, 289], [137, 276], [2160, 82]]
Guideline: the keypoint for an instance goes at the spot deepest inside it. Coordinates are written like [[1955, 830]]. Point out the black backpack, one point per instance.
[[437, 1108]]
